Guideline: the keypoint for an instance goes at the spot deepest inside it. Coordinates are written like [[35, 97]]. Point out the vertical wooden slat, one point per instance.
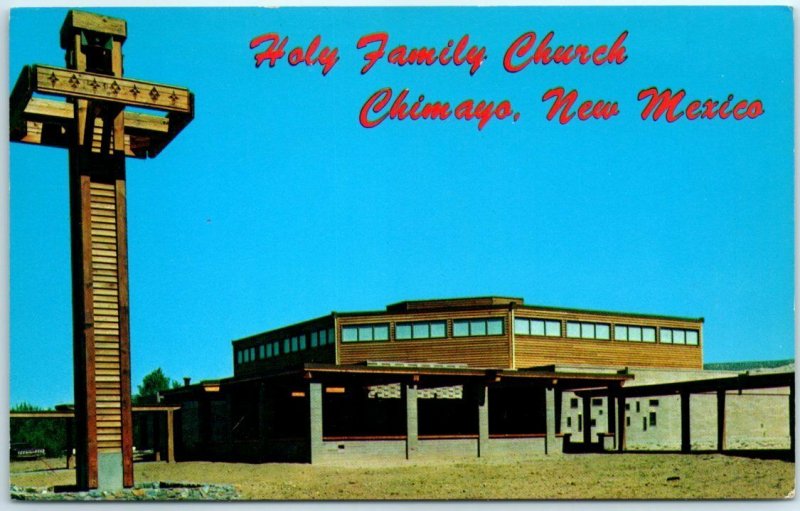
[[512, 356], [124, 320], [83, 320], [91, 387], [170, 437], [106, 308]]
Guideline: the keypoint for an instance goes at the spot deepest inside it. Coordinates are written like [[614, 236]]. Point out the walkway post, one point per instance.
[[722, 443], [686, 432], [551, 442], [621, 424], [315, 421], [412, 426], [483, 420]]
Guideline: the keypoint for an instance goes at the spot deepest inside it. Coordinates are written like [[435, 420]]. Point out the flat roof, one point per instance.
[[465, 303], [742, 381], [436, 376], [477, 302], [452, 303]]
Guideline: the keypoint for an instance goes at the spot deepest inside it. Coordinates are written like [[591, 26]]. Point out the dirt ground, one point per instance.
[[584, 476]]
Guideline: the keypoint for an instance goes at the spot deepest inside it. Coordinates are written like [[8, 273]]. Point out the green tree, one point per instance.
[[152, 384], [26, 407], [43, 432]]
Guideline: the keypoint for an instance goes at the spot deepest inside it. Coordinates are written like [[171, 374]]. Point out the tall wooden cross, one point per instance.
[[93, 125]]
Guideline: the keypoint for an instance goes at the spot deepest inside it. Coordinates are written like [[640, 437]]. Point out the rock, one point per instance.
[[143, 491]]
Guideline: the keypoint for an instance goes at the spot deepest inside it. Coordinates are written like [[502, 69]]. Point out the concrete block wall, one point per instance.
[[363, 450], [758, 419], [755, 419], [511, 447], [666, 433], [428, 449], [572, 420]]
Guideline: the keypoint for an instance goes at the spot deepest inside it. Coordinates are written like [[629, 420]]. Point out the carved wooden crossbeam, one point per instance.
[[44, 122], [66, 82]]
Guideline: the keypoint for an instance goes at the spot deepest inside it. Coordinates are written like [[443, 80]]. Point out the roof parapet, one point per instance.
[[453, 303]]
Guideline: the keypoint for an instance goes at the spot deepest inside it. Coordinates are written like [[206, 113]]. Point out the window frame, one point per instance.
[[358, 328], [540, 324], [485, 320], [674, 333], [624, 332], [584, 333], [429, 324]]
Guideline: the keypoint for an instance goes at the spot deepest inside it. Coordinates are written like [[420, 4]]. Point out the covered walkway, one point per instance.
[[720, 387]]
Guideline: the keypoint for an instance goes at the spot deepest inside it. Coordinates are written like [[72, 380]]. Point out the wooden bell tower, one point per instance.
[[99, 134]]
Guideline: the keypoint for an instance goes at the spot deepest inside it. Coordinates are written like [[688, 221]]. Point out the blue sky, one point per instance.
[[275, 205]]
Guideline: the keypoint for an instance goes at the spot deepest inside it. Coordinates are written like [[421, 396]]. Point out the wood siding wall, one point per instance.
[[540, 351], [532, 351], [502, 351], [105, 302], [483, 351], [321, 354]]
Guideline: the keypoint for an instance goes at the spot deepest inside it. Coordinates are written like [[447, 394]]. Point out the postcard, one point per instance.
[[415, 253]]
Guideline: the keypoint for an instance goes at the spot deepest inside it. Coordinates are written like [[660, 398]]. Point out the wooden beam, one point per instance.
[[70, 414], [53, 110], [739, 382], [45, 122], [20, 96], [115, 89], [155, 408], [123, 310], [50, 108], [116, 27], [170, 437], [41, 415]]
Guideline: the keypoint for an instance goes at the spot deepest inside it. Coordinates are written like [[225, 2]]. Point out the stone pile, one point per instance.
[[141, 491]]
